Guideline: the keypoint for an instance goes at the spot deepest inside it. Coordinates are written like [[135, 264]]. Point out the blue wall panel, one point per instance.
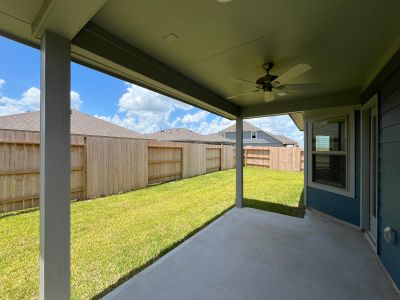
[[341, 207], [389, 170], [387, 86]]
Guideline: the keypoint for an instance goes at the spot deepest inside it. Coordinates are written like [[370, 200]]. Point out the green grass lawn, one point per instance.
[[114, 237]]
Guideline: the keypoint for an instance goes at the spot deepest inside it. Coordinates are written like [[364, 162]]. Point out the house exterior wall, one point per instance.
[[387, 86], [263, 139], [339, 206]]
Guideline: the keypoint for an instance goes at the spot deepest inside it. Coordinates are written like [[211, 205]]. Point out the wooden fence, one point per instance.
[[277, 158], [103, 166], [19, 169]]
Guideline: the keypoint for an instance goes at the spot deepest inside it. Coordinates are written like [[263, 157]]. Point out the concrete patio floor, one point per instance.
[[251, 254]]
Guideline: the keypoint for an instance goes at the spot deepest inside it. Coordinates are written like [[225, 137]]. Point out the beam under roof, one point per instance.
[[348, 97], [95, 47]]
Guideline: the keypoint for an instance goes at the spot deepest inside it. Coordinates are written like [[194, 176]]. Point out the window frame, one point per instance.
[[348, 115]]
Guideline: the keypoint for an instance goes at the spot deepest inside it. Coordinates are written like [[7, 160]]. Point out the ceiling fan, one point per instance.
[[270, 82]]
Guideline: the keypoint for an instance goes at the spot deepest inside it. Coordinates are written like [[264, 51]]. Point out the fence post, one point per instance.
[[84, 169], [239, 163]]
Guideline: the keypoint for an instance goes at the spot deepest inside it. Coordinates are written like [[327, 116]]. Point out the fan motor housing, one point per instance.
[[265, 82]]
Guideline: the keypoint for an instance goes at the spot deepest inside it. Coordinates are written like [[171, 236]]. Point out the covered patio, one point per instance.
[[252, 254], [321, 60]]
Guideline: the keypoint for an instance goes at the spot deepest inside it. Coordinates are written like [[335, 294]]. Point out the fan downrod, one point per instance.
[[267, 67]]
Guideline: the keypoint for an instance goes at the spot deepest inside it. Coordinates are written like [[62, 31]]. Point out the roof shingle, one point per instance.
[[186, 135], [81, 124]]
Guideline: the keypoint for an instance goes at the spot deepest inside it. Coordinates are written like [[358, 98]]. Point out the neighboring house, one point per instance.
[[254, 136], [186, 135], [81, 124], [286, 142]]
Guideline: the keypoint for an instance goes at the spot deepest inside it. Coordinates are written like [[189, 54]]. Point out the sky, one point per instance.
[[112, 99]]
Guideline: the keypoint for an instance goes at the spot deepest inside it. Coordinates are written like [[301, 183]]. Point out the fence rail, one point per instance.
[[102, 166]]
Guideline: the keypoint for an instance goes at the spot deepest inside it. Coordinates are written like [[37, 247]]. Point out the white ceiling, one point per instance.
[[342, 40], [345, 41]]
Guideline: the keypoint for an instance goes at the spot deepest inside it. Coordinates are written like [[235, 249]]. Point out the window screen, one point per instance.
[[329, 152]]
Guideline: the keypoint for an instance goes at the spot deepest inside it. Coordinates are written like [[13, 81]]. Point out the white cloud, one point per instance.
[[145, 111], [195, 118], [76, 100], [29, 101], [2, 83], [213, 126]]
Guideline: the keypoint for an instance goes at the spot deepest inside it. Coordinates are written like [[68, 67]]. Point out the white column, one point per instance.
[[305, 136], [239, 163], [55, 166]]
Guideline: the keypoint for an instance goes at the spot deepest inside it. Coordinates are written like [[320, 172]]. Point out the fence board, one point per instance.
[[277, 158], [19, 169], [115, 165], [194, 156], [213, 159], [165, 163]]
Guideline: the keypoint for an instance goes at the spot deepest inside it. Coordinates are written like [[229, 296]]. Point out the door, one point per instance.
[[373, 144]]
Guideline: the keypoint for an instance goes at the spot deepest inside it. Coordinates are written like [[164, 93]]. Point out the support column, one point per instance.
[[305, 161], [239, 162], [55, 166]]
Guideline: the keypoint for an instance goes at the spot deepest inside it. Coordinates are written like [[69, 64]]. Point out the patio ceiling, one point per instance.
[[345, 41]]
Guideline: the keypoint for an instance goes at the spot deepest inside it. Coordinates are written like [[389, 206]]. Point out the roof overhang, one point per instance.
[[298, 120], [126, 39], [95, 47]]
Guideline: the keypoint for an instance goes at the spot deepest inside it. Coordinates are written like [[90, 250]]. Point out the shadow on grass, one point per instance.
[[277, 207], [18, 212], [133, 272]]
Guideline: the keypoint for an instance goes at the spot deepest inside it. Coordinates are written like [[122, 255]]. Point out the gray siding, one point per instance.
[[389, 170], [387, 86], [263, 139]]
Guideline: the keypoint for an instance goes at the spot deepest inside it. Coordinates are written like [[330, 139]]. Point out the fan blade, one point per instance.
[[298, 87], [245, 93], [268, 96], [247, 82], [292, 73]]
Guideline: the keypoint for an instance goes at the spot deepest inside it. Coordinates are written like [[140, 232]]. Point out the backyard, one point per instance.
[[114, 237]]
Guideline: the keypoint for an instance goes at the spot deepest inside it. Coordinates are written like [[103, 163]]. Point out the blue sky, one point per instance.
[[111, 99]]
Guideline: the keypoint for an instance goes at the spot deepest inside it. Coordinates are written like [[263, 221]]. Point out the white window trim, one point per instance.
[[364, 159], [350, 164], [251, 135]]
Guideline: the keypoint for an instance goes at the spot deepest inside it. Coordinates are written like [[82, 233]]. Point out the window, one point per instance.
[[329, 153], [254, 135]]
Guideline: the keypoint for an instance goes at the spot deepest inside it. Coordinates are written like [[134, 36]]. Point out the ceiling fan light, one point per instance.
[[268, 96]]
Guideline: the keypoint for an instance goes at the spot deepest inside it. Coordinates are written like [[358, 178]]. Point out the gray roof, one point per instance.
[[250, 127], [285, 140], [186, 135], [246, 127], [215, 137], [81, 124]]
